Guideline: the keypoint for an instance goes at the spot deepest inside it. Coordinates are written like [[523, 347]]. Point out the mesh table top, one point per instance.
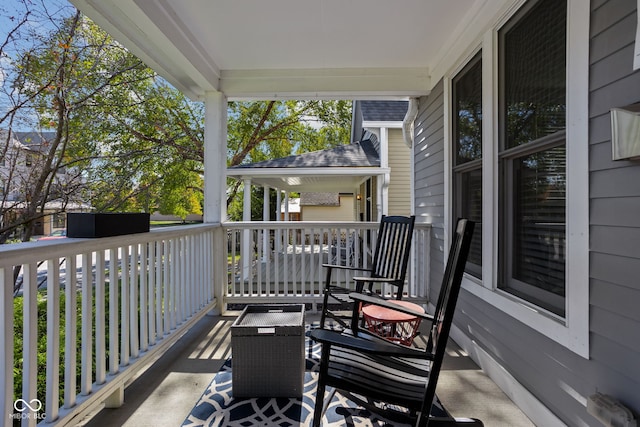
[[271, 318]]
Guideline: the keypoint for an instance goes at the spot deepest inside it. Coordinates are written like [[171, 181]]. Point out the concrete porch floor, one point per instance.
[[166, 392]]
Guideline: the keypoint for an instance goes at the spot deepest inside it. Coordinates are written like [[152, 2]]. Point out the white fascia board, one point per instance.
[[284, 172]]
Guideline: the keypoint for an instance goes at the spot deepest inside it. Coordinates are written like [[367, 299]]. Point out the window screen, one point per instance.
[[532, 158], [467, 170]]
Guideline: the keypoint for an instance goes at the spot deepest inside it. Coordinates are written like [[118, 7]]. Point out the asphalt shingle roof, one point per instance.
[[387, 111], [356, 154]]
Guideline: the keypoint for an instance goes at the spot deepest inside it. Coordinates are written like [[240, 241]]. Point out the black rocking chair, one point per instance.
[[389, 266], [396, 381]]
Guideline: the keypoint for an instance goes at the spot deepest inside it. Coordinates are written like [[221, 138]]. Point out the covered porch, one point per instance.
[[146, 318], [169, 390], [178, 285]]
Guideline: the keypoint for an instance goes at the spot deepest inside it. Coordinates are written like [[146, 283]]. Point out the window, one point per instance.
[[532, 155], [534, 167], [59, 220], [467, 157]]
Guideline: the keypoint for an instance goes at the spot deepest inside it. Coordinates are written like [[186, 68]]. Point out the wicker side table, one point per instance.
[[267, 345]]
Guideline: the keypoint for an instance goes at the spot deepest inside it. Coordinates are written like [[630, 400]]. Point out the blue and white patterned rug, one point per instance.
[[218, 408]]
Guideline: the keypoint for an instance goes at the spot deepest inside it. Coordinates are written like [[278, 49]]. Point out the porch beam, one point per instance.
[[333, 83]]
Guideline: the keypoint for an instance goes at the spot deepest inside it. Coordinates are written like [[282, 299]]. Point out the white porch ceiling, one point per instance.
[[293, 49]]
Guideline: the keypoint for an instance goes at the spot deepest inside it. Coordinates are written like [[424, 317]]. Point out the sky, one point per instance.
[[17, 36]]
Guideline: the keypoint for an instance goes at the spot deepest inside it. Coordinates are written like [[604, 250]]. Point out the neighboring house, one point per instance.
[[319, 207], [19, 167], [385, 119], [326, 207], [339, 171], [378, 142], [16, 165], [290, 209]]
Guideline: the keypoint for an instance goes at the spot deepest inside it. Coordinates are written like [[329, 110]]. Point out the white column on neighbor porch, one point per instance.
[[278, 205], [286, 206], [245, 251], [383, 180], [215, 186]]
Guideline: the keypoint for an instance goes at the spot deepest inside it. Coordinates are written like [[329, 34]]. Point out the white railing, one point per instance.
[[124, 301], [283, 260]]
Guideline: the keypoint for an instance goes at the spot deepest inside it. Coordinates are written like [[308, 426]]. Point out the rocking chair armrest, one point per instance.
[[368, 299], [345, 340], [345, 267], [374, 279]]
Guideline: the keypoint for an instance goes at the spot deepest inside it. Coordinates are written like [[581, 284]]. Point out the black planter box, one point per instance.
[[106, 224]]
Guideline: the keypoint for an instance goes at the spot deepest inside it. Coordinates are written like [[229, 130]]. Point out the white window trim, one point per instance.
[[571, 331]]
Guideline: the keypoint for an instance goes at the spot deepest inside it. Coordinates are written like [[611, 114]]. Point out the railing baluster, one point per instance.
[[303, 266], [166, 295], [173, 268], [199, 270], [179, 282], [134, 303], [294, 255], [144, 299], [53, 339], [159, 287], [276, 276], [6, 329], [151, 292], [30, 340], [189, 279], [86, 376], [125, 301], [71, 328], [114, 288], [259, 261], [269, 261], [101, 351]]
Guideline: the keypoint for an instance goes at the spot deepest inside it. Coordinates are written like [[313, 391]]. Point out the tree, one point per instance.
[[29, 169], [259, 131], [134, 142]]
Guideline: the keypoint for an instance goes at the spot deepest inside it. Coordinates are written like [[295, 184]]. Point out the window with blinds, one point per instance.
[[532, 154], [467, 161]]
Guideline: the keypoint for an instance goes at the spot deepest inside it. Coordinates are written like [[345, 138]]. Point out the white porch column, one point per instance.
[[245, 252], [215, 185], [215, 157]]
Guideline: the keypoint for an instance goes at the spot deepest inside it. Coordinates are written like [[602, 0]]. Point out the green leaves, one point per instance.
[[132, 142]]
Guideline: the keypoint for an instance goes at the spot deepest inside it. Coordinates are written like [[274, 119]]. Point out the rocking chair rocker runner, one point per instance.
[[389, 266], [394, 380]]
